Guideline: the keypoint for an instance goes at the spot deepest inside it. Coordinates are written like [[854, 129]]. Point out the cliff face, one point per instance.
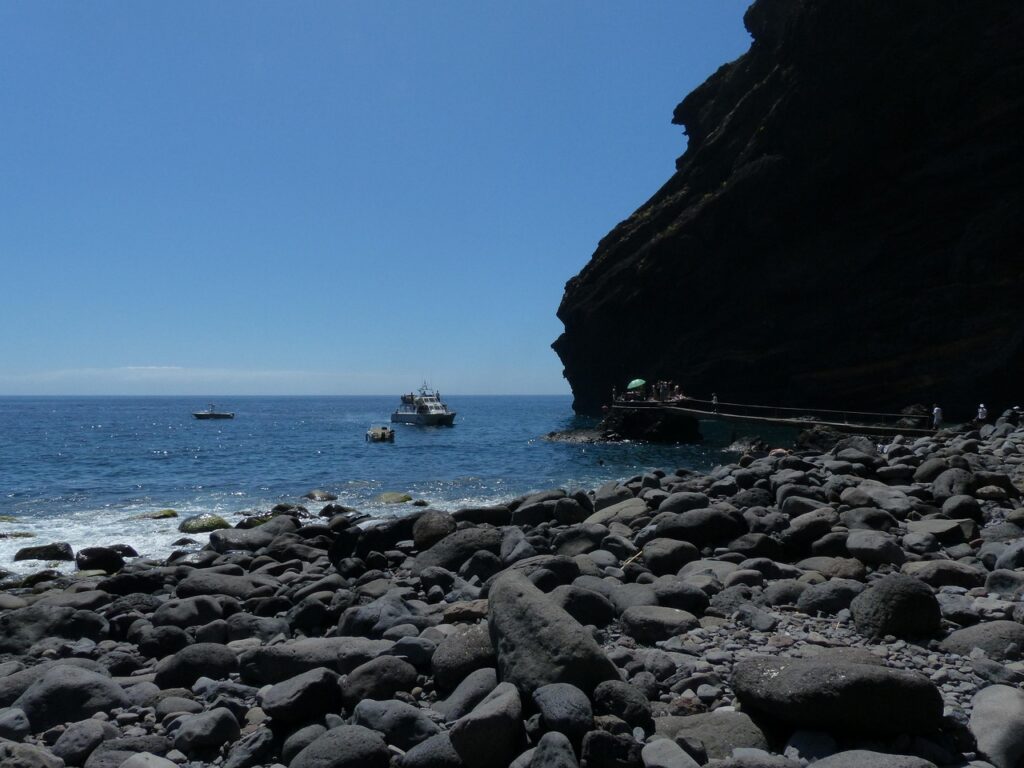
[[845, 229]]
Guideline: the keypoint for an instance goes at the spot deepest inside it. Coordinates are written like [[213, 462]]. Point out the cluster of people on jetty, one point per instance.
[[661, 391]]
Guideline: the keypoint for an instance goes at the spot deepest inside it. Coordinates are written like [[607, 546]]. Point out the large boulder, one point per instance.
[[104, 559], [492, 734], [202, 582], [865, 758], [347, 746], [872, 493], [379, 679], [402, 724], [995, 722], [836, 695], [453, 550], [205, 731], [702, 527], [21, 627], [566, 709], [274, 663], [537, 642], [651, 623], [463, 651], [897, 605], [59, 550], [999, 640], [183, 668], [720, 731], [67, 694], [14, 755], [305, 697]]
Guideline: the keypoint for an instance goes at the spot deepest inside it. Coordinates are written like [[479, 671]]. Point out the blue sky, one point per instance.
[[323, 197]]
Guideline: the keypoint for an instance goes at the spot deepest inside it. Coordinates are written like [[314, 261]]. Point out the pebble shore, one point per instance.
[[852, 607]]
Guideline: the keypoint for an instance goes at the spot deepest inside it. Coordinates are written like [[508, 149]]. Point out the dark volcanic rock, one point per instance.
[[832, 695], [537, 642], [21, 627], [303, 697], [65, 693], [897, 605], [274, 663], [211, 660], [653, 426], [347, 746], [998, 639], [792, 177], [453, 550], [492, 733]]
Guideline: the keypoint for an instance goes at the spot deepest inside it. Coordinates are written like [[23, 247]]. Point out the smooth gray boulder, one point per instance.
[[380, 678], [566, 709], [537, 642], [1001, 640], [470, 692], [553, 751], [865, 758], [872, 493], [148, 760], [14, 755], [14, 724], [492, 734], [665, 753], [435, 752], [67, 694], [21, 627], [81, 738], [274, 663], [305, 697], [402, 724], [995, 722], [183, 668], [347, 746], [720, 731], [453, 550], [464, 651], [652, 623], [206, 731], [835, 695]]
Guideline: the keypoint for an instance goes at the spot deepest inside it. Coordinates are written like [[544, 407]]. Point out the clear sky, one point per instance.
[[323, 197]]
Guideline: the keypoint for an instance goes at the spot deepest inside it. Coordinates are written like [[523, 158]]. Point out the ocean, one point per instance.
[[84, 469]]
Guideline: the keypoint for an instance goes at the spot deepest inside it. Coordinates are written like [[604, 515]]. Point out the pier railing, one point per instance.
[[786, 413]]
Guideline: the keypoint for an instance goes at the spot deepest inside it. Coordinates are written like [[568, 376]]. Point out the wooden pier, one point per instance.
[[853, 422]]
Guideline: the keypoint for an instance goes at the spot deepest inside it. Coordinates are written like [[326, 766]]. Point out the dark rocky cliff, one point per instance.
[[845, 228]]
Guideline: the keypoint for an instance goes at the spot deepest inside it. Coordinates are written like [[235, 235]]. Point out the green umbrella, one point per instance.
[[635, 384]]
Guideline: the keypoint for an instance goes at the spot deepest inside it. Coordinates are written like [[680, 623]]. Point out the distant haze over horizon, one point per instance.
[[341, 199]]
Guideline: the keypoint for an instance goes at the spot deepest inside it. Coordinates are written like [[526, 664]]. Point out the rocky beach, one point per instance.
[[857, 606]]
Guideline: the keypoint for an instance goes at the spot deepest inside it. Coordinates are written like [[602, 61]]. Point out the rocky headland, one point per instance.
[[859, 606], [843, 228]]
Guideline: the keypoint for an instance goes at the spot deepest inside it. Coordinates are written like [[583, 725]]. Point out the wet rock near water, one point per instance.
[[791, 607]]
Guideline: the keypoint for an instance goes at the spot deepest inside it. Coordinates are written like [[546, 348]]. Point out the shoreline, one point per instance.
[[784, 607]]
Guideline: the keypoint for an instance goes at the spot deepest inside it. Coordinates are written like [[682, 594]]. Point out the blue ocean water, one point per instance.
[[83, 469]]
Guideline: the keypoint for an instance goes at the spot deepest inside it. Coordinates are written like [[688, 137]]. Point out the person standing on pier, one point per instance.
[[936, 416], [982, 413], [714, 401]]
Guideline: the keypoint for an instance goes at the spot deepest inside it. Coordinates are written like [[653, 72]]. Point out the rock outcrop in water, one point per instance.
[[844, 227]]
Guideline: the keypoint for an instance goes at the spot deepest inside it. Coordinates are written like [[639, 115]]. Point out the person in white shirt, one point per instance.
[[936, 416]]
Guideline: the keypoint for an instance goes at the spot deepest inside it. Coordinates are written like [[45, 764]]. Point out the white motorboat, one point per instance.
[[423, 408]]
